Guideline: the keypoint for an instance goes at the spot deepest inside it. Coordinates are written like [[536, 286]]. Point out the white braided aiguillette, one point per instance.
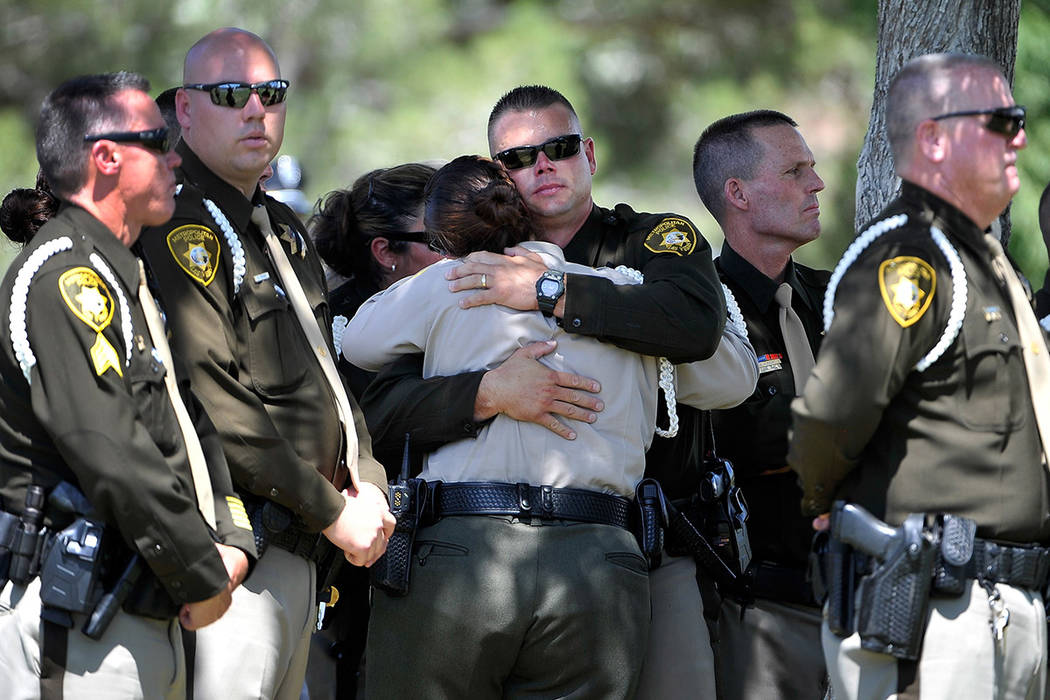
[[19, 296], [666, 372]]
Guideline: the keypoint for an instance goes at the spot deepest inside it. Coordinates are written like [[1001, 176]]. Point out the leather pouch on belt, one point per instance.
[[956, 551]]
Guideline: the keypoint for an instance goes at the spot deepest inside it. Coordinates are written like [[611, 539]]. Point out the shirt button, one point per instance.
[[157, 548], [772, 391], [273, 493], [576, 323], [1003, 337], [468, 427]]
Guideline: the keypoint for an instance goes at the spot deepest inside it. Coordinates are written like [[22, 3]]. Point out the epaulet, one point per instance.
[[232, 239], [958, 274], [20, 296]]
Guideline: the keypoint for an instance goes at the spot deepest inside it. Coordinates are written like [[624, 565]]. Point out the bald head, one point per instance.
[[221, 54], [235, 142]]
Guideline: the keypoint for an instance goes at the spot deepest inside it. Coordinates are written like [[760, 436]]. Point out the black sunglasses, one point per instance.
[[236, 95], [1007, 121], [156, 139], [557, 148], [406, 236]]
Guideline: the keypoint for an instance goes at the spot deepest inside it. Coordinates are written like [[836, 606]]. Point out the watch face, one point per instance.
[[549, 287]]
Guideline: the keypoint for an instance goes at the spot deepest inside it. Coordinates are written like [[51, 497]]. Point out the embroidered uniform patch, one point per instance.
[[90, 300], [238, 514], [672, 235], [907, 285], [196, 250]]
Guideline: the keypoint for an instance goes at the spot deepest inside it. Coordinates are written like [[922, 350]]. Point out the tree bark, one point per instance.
[[909, 28]]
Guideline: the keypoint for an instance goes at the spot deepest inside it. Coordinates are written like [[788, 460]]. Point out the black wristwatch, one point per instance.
[[549, 288]]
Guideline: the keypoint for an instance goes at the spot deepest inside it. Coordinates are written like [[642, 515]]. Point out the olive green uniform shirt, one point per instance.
[[248, 358], [959, 437], [95, 410]]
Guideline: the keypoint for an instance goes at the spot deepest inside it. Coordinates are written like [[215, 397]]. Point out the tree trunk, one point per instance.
[[909, 28]]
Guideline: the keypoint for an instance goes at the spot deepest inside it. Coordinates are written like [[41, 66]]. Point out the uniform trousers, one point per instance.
[[773, 653], [259, 648], [959, 659], [679, 662], [500, 608], [136, 658]]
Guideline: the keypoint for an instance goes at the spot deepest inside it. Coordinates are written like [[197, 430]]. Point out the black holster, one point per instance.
[[391, 571], [895, 596]]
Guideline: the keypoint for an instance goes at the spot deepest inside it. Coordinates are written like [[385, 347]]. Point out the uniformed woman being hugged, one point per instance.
[[524, 574]]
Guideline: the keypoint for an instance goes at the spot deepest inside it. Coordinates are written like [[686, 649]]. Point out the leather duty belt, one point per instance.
[[525, 501], [1022, 567]]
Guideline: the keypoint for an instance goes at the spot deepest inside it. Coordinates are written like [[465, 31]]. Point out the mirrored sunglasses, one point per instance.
[[557, 148], [156, 139], [236, 95], [1007, 121]]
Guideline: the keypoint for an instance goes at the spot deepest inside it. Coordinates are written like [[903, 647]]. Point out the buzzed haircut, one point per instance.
[[926, 87], [727, 148], [77, 108], [528, 97]]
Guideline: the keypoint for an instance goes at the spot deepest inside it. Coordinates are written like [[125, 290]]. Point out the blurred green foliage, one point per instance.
[[377, 83]]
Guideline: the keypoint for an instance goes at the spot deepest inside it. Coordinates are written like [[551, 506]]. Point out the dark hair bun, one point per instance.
[[24, 211]]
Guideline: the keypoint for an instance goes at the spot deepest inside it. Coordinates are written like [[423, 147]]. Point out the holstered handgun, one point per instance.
[[894, 597], [407, 498], [652, 519]]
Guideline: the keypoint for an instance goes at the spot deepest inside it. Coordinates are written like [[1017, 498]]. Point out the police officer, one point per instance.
[[677, 312], [89, 398], [246, 297], [755, 174], [922, 397]]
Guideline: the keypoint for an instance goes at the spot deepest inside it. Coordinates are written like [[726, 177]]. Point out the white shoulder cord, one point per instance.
[[339, 324], [236, 249], [19, 296], [958, 274], [666, 373], [125, 311], [733, 315], [958, 310]]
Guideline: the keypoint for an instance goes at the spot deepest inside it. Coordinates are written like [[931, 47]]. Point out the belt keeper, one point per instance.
[[991, 563], [547, 500], [524, 500]]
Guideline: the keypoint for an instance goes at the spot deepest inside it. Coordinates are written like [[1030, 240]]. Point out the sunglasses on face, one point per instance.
[[236, 95], [1007, 121], [557, 148], [406, 236], [155, 139]]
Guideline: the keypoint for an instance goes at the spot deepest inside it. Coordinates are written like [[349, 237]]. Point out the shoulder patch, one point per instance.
[[195, 249], [907, 285], [672, 235], [90, 300]]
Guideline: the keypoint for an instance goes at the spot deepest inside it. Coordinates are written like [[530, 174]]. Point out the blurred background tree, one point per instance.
[[377, 83]]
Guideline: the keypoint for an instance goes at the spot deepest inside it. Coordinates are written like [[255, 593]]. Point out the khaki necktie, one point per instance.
[[1033, 344], [198, 465], [799, 353], [313, 334]]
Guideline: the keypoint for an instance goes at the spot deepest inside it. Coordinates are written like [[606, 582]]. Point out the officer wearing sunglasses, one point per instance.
[[927, 398], [678, 312], [245, 297], [85, 410]]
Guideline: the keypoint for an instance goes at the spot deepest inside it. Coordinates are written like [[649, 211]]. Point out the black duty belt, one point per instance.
[[1023, 567], [273, 524], [525, 501]]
